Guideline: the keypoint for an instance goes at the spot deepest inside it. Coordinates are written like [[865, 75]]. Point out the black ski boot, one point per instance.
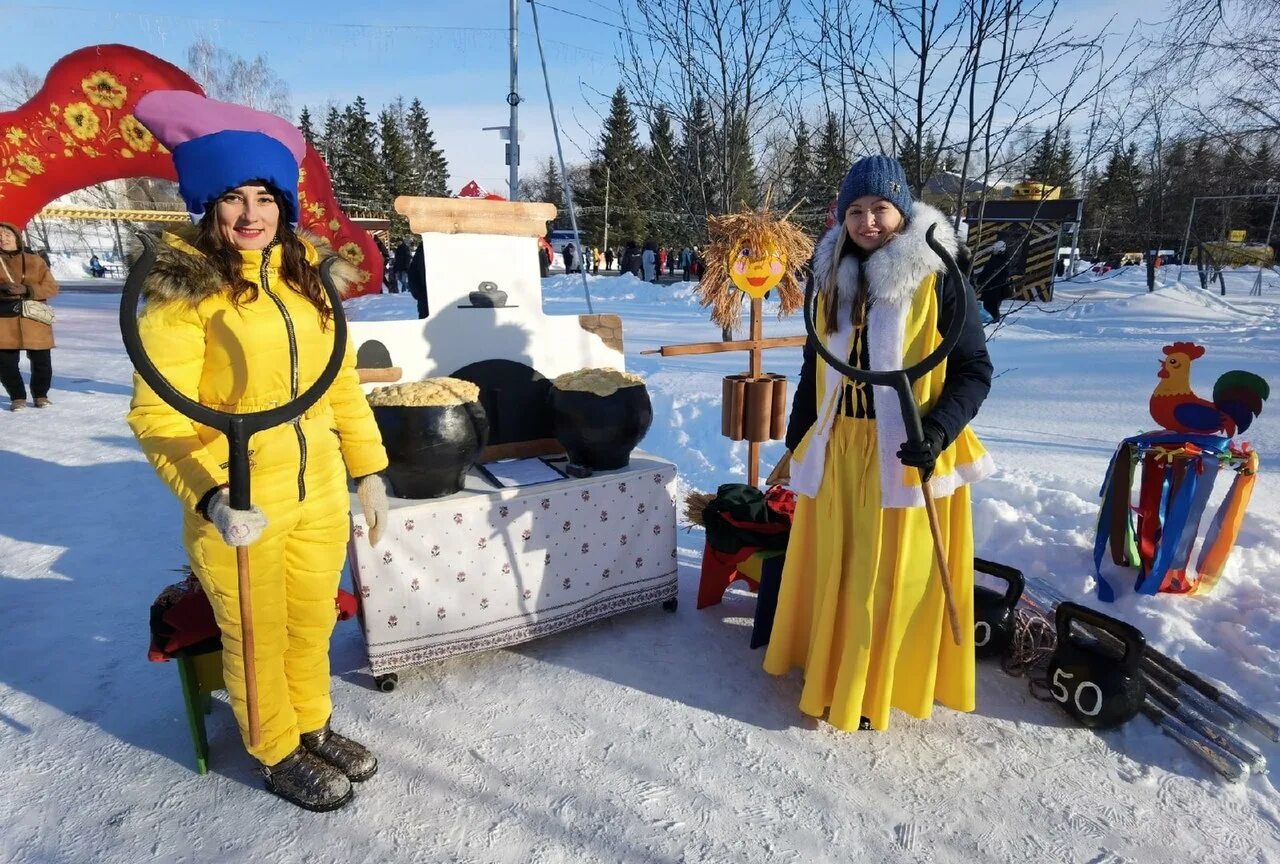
[[352, 759], [308, 781]]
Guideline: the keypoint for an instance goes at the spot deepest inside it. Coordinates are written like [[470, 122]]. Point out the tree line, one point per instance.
[[371, 160]]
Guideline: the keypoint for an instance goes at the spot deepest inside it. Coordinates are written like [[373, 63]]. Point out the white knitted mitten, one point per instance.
[[372, 492], [237, 527]]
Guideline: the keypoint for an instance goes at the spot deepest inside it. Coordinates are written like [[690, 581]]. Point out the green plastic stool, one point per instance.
[[201, 676]]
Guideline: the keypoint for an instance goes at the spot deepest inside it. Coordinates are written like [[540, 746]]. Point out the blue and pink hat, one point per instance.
[[218, 146]]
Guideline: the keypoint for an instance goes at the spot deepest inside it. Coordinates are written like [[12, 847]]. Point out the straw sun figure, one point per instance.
[[767, 246]]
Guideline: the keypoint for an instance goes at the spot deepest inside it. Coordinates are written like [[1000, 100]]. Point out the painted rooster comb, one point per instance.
[[1191, 349]]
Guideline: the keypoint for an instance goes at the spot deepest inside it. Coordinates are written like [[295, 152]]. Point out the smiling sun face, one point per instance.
[[757, 271]]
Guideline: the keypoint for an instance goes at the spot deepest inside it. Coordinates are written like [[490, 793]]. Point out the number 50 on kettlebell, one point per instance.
[[1094, 683]]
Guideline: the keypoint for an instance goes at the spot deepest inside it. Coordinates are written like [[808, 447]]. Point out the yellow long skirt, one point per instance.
[[861, 608]]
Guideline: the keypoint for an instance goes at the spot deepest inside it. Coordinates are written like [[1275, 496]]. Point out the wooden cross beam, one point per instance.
[[756, 346]]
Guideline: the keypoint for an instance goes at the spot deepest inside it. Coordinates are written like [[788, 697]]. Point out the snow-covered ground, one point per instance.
[[647, 737]]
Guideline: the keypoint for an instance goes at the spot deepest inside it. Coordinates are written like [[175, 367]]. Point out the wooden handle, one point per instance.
[[721, 347], [781, 472], [940, 555], [389, 375], [246, 643]]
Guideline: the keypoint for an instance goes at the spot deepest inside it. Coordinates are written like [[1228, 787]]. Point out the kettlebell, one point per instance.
[[1093, 685], [993, 618]]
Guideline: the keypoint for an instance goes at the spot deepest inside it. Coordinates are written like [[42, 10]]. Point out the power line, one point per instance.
[[254, 21], [589, 18]]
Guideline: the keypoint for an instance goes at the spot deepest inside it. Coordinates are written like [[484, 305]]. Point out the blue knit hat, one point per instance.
[[218, 146], [882, 176]]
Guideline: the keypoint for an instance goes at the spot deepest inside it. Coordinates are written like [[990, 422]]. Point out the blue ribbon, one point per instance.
[[1179, 513]]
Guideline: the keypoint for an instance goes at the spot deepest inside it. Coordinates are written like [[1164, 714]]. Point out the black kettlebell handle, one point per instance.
[[1134, 642], [899, 379], [238, 428], [1010, 575]]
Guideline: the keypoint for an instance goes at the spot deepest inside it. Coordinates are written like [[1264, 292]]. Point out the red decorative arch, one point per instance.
[[80, 130]]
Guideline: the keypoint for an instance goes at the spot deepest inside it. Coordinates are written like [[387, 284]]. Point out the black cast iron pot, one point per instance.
[[431, 448], [599, 432]]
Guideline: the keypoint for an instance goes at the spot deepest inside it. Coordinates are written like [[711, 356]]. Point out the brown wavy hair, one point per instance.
[[225, 258]]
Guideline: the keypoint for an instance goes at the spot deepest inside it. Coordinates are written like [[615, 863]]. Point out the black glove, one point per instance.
[[924, 456]]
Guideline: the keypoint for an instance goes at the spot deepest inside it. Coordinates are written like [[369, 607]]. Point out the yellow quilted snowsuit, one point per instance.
[[239, 360]]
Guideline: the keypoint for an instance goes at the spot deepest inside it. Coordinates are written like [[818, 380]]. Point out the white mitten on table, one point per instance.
[[372, 492], [237, 527]]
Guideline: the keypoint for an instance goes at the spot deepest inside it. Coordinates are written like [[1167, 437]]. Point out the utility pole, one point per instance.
[[513, 99], [606, 207]]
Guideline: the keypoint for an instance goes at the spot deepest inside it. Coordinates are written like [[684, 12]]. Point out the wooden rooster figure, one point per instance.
[[1237, 396]]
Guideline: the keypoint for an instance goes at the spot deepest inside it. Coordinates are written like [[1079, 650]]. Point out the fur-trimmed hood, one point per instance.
[[182, 273], [895, 270]]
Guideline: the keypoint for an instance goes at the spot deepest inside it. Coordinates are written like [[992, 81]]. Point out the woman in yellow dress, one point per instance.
[[861, 608]]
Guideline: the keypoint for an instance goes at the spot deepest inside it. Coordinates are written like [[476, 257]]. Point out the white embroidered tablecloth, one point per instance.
[[487, 567]]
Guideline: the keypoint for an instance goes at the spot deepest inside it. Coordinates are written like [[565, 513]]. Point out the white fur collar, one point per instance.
[[894, 271]]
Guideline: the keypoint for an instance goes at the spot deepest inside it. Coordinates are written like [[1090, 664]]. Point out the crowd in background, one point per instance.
[[650, 262]]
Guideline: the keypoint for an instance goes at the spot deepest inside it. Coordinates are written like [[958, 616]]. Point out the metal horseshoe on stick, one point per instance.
[[238, 428], [900, 380]]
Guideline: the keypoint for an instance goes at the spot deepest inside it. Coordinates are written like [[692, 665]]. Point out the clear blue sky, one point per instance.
[[452, 55]]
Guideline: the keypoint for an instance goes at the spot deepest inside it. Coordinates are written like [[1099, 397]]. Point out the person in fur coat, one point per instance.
[[861, 608], [24, 276], [237, 319]]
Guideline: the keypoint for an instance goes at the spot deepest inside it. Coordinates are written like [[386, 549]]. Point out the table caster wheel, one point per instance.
[[671, 605], [386, 683]]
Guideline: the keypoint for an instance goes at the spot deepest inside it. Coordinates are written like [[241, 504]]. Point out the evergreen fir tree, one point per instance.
[[430, 175], [1041, 167], [909, 156], [697, 186], [661, 177], [333, 149], [1062, 166], [832, 162], [551, 189], [361, 146], [620, 166], [800, 170], [397, 162], [306, 126], [741, 186]]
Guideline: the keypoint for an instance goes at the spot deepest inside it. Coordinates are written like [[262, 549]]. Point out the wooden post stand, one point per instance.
[[754, 404]]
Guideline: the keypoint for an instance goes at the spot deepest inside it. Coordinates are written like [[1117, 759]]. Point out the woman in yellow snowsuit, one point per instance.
[[861, 606], [236, 318]]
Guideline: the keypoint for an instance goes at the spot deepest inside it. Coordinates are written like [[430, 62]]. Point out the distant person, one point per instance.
[[400, 267], [630, 258], [570, 257], [96, 270], [649, 262], [608, 259], [686, 260], [544, 260], [24, 276], [386, 262], [662, 260], [995, 280], [418, 280], [671, 263]]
